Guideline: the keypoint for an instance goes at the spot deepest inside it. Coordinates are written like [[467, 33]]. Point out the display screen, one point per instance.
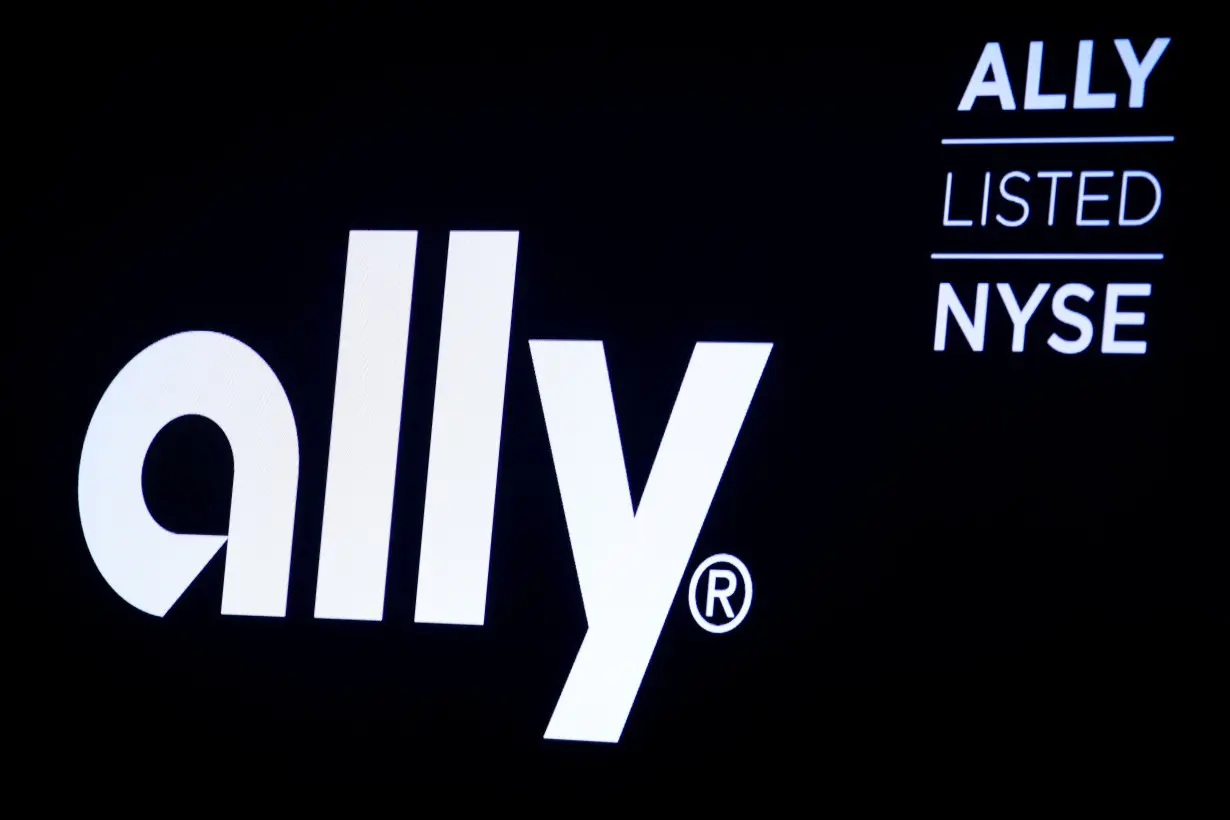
[[745, 410]]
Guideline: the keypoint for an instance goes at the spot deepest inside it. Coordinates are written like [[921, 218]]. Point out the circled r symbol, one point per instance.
[[720, 585]]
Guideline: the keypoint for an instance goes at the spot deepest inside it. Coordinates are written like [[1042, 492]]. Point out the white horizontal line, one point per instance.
[[1047, 140], [1118, 257]]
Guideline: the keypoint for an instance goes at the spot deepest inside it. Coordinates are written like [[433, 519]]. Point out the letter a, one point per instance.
[[204, 374], [992, 61]]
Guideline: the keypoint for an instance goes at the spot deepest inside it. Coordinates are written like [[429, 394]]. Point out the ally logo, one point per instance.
[[629, 564]]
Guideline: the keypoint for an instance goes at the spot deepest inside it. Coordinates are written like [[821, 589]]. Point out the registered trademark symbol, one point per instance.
[[721, 584]]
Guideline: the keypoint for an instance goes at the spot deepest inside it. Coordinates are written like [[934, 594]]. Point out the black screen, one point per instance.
[[963, 559]]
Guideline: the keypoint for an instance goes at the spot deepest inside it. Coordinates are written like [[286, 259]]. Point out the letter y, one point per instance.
[[629, 565]]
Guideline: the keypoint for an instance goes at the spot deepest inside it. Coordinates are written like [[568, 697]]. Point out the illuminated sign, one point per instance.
[[629, 565], [990, 79], [615, 339]]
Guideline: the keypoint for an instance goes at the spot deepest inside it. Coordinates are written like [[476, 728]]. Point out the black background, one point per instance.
[[964, 562]]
